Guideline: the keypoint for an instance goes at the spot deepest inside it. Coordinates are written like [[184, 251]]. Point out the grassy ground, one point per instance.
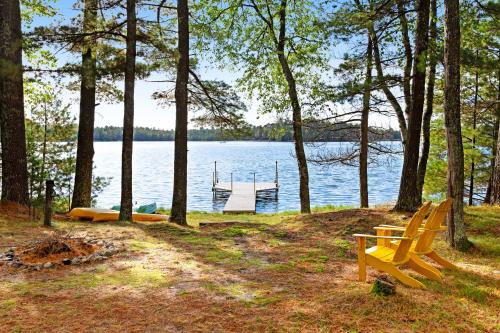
[[267, 273]]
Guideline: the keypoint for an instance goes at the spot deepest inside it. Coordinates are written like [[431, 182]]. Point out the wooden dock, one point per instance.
[[243, 196]]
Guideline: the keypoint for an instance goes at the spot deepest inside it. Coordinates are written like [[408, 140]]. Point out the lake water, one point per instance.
[[153, 173]]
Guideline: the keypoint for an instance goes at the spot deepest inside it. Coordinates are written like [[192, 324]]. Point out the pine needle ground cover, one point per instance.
[[259, 273]]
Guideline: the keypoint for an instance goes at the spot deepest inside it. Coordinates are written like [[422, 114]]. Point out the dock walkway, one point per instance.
[[243, 196]]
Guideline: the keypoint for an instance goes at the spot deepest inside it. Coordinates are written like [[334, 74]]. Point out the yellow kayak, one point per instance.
[[101, 215]]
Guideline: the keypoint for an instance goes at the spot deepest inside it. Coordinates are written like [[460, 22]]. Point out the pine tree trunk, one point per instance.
[[409, 199], [495, 182], [179, 200], [82, 191], [403, 22], [305, 206], [128, 116], [474, 124], [12, 127], [493, 191], [387, 91], [429, 102], [363, 147], [456, 226]]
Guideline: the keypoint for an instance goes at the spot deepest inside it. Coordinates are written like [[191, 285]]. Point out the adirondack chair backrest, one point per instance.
[[432, 226], [410, 231]]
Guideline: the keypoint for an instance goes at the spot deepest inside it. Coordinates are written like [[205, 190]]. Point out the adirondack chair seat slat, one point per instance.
[[385, 254], [412, 248]]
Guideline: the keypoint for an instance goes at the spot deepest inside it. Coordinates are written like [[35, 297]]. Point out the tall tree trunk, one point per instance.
[[474, 124], [429, 102], [12, 127], [408, 56], [495, 177], [493, 196], [456, 226], [305, 205], [363, 147], [128, 116], [408, 199], [179, 200], [381, 80], [82, 192], [44, 152]]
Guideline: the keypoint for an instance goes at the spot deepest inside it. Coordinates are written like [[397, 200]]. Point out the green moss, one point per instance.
[[331, 208], [226, 256], [474, 293], [281, 234], [314, 256], [282, 267], [8, 304], [195, 239], [236, 231], [482, 218], [486, 244], [319, 268], [341, 247], [135, 276]]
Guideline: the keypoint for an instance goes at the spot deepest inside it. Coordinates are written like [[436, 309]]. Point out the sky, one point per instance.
[[148, 113]]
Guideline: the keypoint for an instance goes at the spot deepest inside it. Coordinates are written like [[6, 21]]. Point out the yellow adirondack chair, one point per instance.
[[423, 246], [386, 258]]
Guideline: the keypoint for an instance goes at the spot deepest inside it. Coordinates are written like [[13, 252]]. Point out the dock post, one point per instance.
[[231, 181], [276, 177], [215, 172], [254, 189], [276, 180]]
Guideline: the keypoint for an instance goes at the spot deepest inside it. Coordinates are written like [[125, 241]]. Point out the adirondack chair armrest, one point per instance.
[[381, 237], [389, 228], [394, 228]]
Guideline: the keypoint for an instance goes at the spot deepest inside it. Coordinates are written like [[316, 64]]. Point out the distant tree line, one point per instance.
[[270, 132]]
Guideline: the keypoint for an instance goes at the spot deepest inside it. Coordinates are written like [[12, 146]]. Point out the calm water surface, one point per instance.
[[153, 173]]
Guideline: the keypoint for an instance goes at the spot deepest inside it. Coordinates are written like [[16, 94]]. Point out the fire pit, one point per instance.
[[55, 251]]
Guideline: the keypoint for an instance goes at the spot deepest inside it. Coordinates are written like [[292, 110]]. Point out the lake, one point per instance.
[[153, 172]]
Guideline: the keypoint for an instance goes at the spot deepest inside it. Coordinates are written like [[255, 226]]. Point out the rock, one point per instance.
[[17, 264], [48, 265], [66, 261], [108, 253], [383, 286]]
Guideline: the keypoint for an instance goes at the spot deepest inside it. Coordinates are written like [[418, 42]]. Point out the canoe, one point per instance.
[[100, 215], [88, 213], [148, 209], [136, 217]]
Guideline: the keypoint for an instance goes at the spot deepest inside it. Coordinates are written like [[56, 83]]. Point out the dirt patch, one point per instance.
[[54, 249]]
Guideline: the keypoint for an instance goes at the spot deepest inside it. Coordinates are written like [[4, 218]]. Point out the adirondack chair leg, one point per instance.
[[420, 266], [440, 260], [362, 259], [394, 271]]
